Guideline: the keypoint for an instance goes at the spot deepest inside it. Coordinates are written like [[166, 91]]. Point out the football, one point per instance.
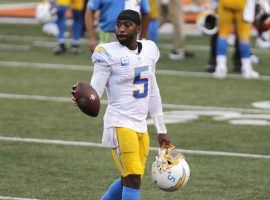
[[265, 26], [87, 99]]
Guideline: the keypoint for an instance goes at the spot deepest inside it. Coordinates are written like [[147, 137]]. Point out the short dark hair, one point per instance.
[[130, 15]]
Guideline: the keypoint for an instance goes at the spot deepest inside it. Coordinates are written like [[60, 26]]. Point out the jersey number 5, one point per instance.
[[140, 81]]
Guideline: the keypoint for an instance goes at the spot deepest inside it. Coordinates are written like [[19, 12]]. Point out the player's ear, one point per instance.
[[139, 28]]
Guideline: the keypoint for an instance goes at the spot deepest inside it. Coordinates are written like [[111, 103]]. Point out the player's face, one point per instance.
[[126, 32]]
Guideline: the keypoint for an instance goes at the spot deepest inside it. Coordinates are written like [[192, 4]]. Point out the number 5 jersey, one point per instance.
[[130, 82]]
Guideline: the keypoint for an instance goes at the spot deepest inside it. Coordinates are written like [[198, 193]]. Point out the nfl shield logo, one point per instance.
[[124, 61]]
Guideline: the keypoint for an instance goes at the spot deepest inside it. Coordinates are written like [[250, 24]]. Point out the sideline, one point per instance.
[[91, 144], [16, 198]]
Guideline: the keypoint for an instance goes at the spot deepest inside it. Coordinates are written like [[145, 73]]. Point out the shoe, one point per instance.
[[174, 55], [249, 73], [75, 49], [211, 65], [59, 49], [220, 72], [237, 62], [189, 54], [210, 68], [262, 43]]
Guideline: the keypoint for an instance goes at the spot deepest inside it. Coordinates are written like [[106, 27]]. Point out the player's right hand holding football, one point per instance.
[[86, 98], [73, 92]]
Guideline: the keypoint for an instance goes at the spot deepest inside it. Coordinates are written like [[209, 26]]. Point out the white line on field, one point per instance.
[[18, 5], [91, 144], [168, 106], [46, 65], [84, 41], [15, 47], [207, 48], [90, 68], [24, 38], [18, 20], [15, 198]]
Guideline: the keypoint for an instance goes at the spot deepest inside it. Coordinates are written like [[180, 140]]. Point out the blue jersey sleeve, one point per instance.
[[145, 6], [93, 4]]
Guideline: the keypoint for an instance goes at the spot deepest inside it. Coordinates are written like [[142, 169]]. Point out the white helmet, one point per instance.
[[43, 12], [50, 28], [207, 22], [170, 171]]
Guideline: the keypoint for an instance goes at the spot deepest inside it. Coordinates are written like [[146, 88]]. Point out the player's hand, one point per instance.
[[73, 92], [92, 43], [163, 139]]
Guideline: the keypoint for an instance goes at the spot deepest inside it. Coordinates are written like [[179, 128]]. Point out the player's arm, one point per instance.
[[145, 11], [89, 24], [100, 77], [101, 73], [155, 109], [102, 70]]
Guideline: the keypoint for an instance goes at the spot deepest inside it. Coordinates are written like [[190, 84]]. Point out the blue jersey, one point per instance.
[[109, 11]]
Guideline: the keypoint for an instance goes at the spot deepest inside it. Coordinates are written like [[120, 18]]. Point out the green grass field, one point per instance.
[[53, 171]]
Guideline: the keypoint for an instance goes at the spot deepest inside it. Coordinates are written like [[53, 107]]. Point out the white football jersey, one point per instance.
[[129, 79]]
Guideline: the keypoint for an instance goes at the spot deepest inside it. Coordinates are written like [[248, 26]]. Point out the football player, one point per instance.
[[108, 12], [172, 11], [262, 22], [126, 69], [207, 23], [153, 24], [231, 13], [77, 15]]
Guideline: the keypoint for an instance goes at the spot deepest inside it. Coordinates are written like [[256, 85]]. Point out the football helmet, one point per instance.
[[44, 12], [207, 22], [50, 28], [170, 171]]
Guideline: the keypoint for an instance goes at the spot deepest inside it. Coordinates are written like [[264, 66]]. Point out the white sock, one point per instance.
[[246, 64], [222, 61]]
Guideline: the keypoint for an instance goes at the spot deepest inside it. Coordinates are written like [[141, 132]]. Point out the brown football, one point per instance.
[[264, 26], [87, 99]]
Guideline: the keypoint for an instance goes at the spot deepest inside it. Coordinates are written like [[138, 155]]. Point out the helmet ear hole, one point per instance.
[[207, 22], [210, 22]]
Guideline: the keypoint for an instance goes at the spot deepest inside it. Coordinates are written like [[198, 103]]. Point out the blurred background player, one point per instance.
[[153, 23], [45, 13], [172, 10], [77, 16], [231, 13], [108, 12], [262, 23], [207, 23]]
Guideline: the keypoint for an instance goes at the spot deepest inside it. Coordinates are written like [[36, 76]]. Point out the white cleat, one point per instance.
[[262, 43], [220, 72], [250, 74], [177, 56]]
